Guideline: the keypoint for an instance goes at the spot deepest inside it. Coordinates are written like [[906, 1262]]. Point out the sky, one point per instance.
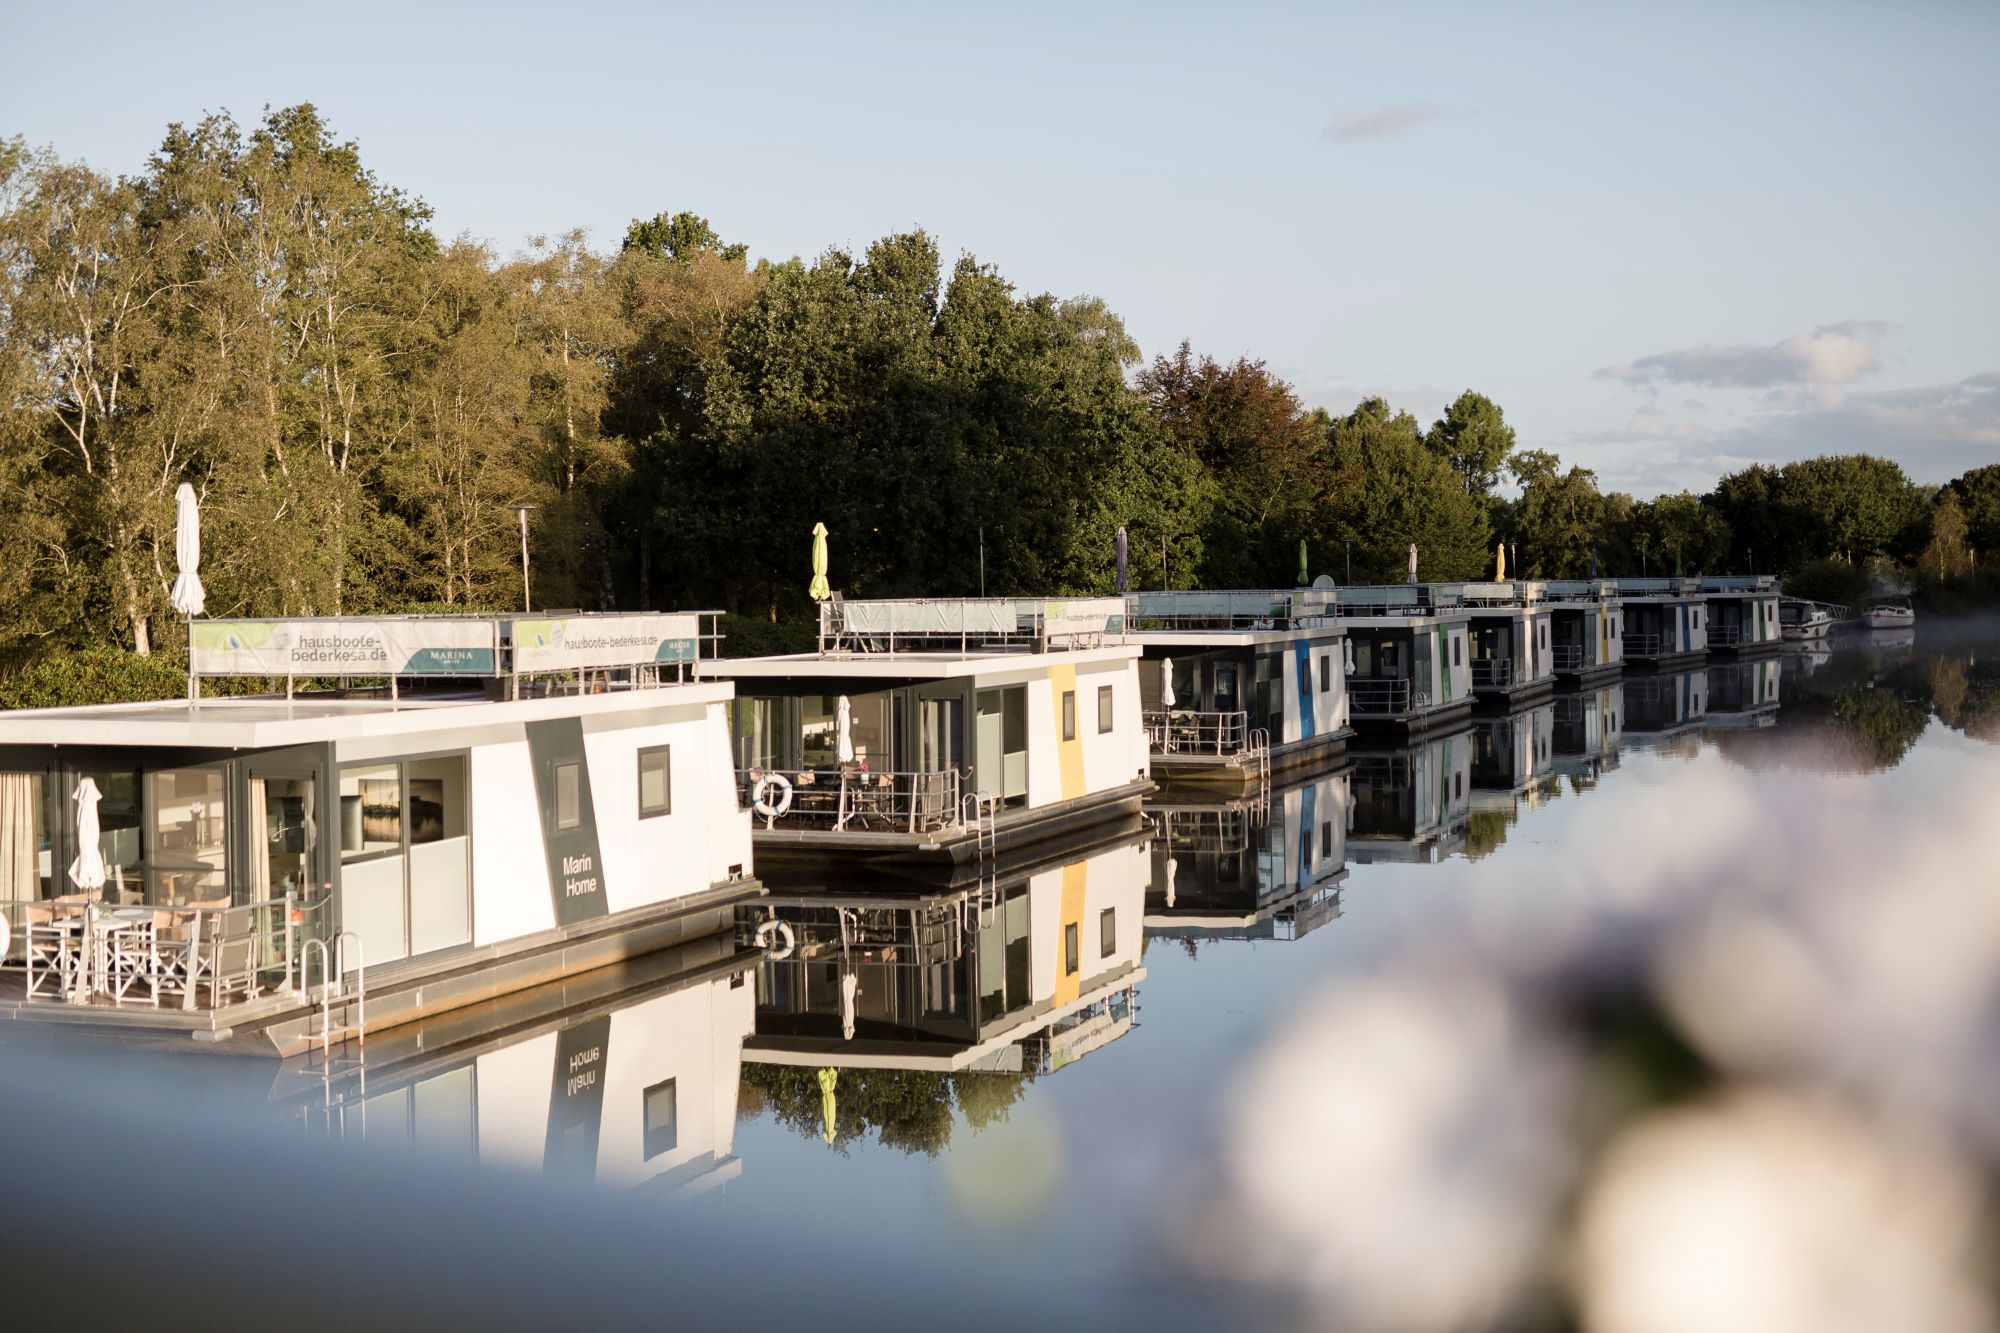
[[1668, 240]]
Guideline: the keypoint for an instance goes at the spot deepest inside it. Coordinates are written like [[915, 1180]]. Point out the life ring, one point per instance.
[[761, 799], [783, 929]]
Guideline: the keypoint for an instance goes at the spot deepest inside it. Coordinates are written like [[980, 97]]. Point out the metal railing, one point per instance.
[[1492, 673], [965, 624], [1725, 636], [1381, 697], [1644, 645], [1567, 657], [1179, 731], [852, 798]]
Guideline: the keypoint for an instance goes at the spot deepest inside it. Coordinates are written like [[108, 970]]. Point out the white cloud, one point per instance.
[[1381, 123], [1831, 354]]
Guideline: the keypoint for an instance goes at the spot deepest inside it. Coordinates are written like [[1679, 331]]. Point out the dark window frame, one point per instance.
[[665, 752], [1072, 950], [574, 767], [1107, 932], [1069, 715], [658, 1139], [1326, 673], [1106, 710]]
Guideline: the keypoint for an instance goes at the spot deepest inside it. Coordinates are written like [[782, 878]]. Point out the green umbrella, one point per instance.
[[819, 590], [1305, 576], [827, 1078]]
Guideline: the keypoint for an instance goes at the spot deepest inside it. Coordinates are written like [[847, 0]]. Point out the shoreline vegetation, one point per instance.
[[359, 401]]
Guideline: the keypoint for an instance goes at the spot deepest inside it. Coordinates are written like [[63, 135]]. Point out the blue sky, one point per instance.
[[1669, 240]]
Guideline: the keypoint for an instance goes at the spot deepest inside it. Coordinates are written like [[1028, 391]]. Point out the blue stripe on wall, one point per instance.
[[1302, 651]]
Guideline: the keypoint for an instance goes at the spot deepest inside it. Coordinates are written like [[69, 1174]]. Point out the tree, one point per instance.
[[1678, 530], [1557, 520], [1947, 556], [1978, 493], [680, 236], [1474, 438], [1397, 492]]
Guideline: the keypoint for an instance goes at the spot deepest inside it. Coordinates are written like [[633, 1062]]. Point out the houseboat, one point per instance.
[[1238, 685], [1508, 638], [1409, 673], [1666, 622], [1512, 754], [938, 733], [520, 799], [1021, 972], [1410, 805], [635, 1089], [1664, 709], [1744, 693], [1585, 729], [1586, 629], [1266, 867], [1743, 615]]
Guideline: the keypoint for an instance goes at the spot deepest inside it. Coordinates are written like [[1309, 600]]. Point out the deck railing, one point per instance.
[[1183, 732], [1567, 657], [1644, 645], [1725, 636], [850, 798], [1382, 698], [968, 624], [1492, 673]]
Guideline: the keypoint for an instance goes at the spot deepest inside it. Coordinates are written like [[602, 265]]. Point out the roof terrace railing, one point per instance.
[[1399, 599], [1580, 590], [1670, 587], [1240, 609], [1714, 584], [968, 624]]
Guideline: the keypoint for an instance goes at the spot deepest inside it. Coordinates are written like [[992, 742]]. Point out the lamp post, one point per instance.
[[527, 603], [1348, 542]]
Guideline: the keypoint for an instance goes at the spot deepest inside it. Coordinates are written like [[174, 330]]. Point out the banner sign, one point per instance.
[[1084, 615], [370, 646], [573, 643]]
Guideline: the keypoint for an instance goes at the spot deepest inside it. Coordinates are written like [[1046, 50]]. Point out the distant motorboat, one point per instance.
[[1802, 622], [1889, 615]]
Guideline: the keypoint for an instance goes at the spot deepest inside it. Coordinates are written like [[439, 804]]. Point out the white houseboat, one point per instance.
[[1264, 867], [1236, 685], [1743, 614], [1666, 622], [1664, 710], [940, 732], [1020, 973], [1586, 727], [1411, 805], [1512, 754], [520, 800], [1586, 629], [1509, 638], [1408, 669]]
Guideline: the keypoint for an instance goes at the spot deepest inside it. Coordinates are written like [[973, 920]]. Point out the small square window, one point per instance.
[[1071, 961], [656, 784], [1069, 715], [1103, 709], [1107, 932], [1325, 672], [569, 796], [662, 1118]]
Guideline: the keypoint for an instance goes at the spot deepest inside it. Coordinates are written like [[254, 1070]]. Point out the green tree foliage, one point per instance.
[[1474, 438], [1850, 507], [1395, 492], [913, 1111], [1558, 519], [1978, 493], [1676, 530], [1947, 556]]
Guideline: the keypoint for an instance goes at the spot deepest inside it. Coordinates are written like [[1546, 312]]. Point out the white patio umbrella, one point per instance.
[[1173, 873], [1167, 699], [844, 729], [1413, 562], [188, 596], [87, 871], [850, 984]]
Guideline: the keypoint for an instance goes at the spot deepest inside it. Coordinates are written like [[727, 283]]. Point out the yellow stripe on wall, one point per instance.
[[1069, 984], [1069, 754]]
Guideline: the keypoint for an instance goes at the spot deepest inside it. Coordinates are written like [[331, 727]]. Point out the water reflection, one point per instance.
[[1267, 867], [1411, 804]]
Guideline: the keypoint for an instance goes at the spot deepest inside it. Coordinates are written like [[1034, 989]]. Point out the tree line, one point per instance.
[[361, 404]]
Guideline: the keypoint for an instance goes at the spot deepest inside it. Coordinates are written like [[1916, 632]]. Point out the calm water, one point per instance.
[[1667, 1005]]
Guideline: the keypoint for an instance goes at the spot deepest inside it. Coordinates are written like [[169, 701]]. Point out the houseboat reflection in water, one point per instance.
[[1585, 730], [1264, 867], [1665, 710], [1411, 804], [1744, 693]]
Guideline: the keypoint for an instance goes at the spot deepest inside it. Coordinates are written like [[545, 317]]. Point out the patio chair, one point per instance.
[[137, 958], [52, 938], [222, 954]]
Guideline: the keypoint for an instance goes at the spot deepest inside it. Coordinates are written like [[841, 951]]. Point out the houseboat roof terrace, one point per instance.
[[1401, 602], [1243, 610], [966, 625]]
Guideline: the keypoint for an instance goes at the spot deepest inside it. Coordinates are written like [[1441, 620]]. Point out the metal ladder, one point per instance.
[[332, 985], [1260, 746], [982, 811]]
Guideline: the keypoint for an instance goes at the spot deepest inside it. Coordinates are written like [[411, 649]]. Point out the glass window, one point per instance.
[[371, 811], [656, 787], [27, 869], [1069, 715], [118, 840], [754, 729], [1107, 932], [189, 842], [819, 731], [1103, 709], [661, 1112], [1325, 839], [1325, 672], [569, 796], [1456, 650], [1071, 961]]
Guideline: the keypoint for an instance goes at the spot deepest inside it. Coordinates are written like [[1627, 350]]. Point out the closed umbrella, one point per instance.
[[850, 986], [188, 597], [1167, 699], [87, 871], [844, 729], [1173, 872], [827, 1078], [1124, 583], [1500, 562], [819, 590], [1304, 576], [1413, 562]]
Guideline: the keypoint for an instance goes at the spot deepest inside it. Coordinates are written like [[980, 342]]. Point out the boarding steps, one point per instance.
[[982, 812]]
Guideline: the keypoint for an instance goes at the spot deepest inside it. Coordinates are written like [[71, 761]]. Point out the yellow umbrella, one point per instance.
[[820, 590], [1500, 562], [827, 1078]]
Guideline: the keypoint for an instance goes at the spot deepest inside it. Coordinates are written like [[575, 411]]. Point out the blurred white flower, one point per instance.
[[1394, 1155], [1770, 1213]]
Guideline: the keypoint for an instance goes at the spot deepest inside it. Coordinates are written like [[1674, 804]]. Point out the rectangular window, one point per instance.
[[1456, 660], [1107, 932], [1325, 839], [371, 811], [1103, 709], [29, 872], [1069, 715], [661, 1113], [569, 797], [1071, 961], [1325, 672], [656, 786]]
